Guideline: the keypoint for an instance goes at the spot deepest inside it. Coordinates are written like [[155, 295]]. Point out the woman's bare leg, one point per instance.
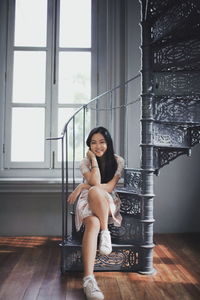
[[89, 244], [99, 205]]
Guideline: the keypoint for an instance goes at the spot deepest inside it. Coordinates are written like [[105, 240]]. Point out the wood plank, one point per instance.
[[39, 267], [109, 285], [53, 285], [9, 257]]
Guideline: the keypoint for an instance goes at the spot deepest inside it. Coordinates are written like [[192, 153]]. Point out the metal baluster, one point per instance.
[[126, 141], [67, 179], [84, 112], [73, 151], [96, 115], [111, 113], [55, 42]]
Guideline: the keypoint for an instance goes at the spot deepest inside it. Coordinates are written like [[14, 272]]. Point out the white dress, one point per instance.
[[82, 207]]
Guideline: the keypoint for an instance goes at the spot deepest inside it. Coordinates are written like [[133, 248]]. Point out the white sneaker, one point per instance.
[[105, 245], [91, 290]]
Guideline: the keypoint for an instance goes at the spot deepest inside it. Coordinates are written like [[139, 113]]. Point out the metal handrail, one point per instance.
[[98, 97]]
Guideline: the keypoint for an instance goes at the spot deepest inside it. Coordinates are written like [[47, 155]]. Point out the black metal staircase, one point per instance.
[[175, 70], [170, 126]]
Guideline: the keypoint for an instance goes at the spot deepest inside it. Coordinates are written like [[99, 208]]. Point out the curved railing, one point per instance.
[[110, 104]]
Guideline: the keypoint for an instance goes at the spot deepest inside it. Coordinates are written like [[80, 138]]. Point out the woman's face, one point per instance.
[[98, 144]]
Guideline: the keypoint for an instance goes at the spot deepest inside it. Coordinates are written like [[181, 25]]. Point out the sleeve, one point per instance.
[[84, 166], [120, 166]]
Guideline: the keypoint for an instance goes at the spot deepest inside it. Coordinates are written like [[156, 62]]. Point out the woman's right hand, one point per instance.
[[74, 195]]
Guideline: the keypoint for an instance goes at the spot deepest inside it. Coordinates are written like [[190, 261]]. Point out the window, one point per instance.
[[49, 69]]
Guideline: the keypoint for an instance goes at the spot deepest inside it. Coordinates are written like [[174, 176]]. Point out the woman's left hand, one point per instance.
[[91, 155]]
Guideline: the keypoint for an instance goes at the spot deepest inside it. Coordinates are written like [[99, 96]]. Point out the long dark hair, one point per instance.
[[107, 163]]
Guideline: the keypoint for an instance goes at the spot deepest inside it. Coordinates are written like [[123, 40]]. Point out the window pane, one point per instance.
[[74, 77], [64, 115], [27, 137], [30, 23], [75, 23], [29, 77]]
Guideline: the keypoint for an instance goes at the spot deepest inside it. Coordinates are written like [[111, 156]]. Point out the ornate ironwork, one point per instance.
[[195, 135], [177, 109], [167, 135], [157, 7], [175, 18], [71, 255], [176, 83], [133, 180], [175, 57], [165, 156], [129, 231], [130, 204], [121, 259]]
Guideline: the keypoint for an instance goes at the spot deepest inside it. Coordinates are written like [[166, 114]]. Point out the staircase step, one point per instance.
[[129, 232], [157, 8], [128, 191], [163, 156], [194, 135], [182, 56], [179, 83], [184, 109], [171, 136], [132, 181], [176, 19], [130, 202], [122, 258]]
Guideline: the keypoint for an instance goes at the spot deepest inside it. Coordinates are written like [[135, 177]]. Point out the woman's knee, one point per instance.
[[92, 222], [95, 192], [94, 189]]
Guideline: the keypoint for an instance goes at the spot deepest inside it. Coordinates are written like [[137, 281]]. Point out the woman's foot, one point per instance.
[[91, 289], [105, 245]]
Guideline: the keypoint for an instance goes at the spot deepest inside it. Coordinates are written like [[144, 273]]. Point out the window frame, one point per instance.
[[42, 169]]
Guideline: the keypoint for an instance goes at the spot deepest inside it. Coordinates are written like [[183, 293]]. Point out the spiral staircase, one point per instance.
[[170, 127]]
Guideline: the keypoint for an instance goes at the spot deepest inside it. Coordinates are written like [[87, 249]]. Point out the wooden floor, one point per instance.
[[30, 269]]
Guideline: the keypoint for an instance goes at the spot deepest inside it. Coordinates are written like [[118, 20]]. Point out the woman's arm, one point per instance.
[[109, 186], [74, 195], [93, 177]]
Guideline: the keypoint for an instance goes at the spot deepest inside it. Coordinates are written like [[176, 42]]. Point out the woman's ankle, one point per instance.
[[87, 277], [104, 230]]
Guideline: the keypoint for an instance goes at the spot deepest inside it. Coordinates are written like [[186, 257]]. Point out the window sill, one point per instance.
[[32, 185], [36, 185]]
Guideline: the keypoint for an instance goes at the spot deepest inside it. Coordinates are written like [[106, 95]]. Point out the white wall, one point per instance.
[[133, 67], [177, 200], [30, 214]]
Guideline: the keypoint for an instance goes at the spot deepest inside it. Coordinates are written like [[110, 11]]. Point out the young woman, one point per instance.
[[98, 204]]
